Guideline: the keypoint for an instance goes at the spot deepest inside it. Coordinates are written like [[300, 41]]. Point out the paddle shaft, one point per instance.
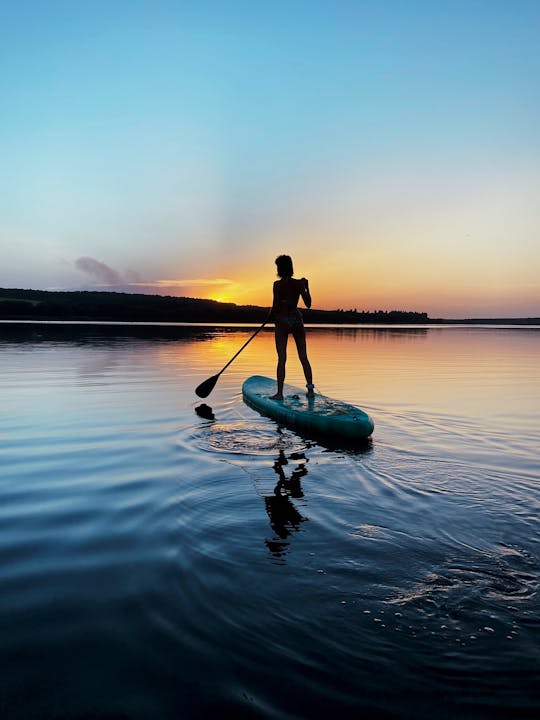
[[206, 387], [243, 346]]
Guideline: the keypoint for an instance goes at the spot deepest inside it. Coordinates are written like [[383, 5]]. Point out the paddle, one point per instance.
[[206, 387]]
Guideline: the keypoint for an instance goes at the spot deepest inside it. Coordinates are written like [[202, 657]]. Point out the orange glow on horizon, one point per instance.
[[388, 291], [383, 266], [370, 282]]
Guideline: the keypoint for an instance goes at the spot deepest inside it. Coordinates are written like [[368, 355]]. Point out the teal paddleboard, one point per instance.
[[320, 415]]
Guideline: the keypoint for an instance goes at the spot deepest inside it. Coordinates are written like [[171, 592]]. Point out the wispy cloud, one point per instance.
[[98, 270], [185, 282], [104, 276]]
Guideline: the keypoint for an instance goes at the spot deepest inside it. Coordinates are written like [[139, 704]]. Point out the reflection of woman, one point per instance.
[[288, 319], [283, 515]]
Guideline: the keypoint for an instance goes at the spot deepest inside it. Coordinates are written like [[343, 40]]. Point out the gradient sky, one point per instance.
[[392, 147]]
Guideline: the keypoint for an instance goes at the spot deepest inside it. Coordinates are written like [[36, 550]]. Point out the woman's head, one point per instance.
[[284, 266]]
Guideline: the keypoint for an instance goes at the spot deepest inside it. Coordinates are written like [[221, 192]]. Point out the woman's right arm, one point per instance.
[[304, 291]]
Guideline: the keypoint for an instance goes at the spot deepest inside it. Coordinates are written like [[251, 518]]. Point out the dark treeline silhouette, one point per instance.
[[17, 304], [120, 307], [364, 316]]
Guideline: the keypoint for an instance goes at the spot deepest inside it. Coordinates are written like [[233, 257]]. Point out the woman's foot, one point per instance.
[[310, 390], [277, 396]]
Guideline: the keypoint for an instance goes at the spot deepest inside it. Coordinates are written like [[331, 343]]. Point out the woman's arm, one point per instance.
[[304, 291], [275, 302]]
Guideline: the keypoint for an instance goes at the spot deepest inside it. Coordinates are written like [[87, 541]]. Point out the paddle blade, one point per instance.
[[206, 387]]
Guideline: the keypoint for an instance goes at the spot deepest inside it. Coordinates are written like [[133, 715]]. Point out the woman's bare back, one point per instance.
[[287, 292]]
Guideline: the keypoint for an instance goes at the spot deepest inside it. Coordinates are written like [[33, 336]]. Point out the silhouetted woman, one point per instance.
[[288, 319]]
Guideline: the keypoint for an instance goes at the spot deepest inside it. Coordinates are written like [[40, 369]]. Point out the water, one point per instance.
[[155, 564]]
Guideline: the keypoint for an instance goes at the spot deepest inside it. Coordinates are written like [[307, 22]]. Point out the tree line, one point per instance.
[[18, 304]]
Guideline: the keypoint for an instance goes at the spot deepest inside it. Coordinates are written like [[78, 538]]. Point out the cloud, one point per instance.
[[131, 281], [196, 282], [98, 270]]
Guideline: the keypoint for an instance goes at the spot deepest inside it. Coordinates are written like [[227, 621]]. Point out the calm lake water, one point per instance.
[[157, 565]]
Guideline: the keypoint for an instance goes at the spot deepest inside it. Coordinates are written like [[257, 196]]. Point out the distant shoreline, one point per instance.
[[94, 306]]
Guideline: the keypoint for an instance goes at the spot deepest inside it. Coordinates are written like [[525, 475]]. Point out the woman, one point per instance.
[[288, 319]]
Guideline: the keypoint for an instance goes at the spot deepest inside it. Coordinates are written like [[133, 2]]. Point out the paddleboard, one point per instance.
[[320, 415]]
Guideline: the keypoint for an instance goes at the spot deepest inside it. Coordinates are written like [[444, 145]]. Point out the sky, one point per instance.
[[391, 147]]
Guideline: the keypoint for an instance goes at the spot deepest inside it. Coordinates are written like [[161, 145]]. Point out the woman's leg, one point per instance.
[[281, 348], [300, 340]]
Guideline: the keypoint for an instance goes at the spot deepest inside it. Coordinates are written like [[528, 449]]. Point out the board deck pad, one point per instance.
[[320, 415]]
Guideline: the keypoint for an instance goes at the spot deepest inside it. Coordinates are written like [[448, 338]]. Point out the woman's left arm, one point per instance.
[[275, 302]]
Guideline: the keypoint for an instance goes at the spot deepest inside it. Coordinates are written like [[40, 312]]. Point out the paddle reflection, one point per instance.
[[283, 514], [205, 411]]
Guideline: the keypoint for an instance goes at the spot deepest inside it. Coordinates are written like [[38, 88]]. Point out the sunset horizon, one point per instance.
[[390, 148]]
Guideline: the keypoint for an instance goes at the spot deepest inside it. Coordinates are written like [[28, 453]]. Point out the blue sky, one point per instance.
[[391, 147]]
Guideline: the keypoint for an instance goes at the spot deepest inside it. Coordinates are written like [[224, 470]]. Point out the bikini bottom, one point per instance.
[[290, 322]]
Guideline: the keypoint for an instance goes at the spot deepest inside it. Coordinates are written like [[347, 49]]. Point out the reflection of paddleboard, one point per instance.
[[319, 415]]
